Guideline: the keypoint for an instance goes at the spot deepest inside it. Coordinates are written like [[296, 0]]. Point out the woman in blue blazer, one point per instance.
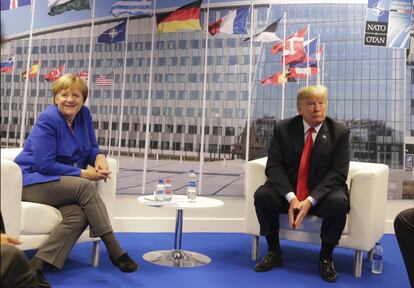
[[54, 159]]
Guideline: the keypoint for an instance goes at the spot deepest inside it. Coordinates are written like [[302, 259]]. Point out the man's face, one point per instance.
[[313, 110]]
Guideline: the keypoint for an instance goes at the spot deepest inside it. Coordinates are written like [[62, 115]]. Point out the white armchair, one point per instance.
[[32, 222], [368, 185]]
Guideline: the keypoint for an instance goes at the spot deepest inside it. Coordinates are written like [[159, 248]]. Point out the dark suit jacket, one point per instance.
[[329, 161]]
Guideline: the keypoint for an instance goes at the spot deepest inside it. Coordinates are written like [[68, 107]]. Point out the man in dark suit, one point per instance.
[[404, 231], [15, 271], [306, 177]]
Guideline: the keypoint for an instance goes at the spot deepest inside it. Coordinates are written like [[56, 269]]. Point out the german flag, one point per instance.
[[185, 18]]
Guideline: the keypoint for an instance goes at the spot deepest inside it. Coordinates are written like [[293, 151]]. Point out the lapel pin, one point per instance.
[[324, 136]]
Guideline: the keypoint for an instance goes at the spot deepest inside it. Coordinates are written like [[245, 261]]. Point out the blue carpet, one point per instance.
[[230, 267]]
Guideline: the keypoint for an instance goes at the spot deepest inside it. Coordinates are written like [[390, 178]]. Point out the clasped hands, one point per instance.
[[297, 211], [99, 172]]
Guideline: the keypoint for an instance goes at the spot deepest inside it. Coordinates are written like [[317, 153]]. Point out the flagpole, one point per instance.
[[123, 90], [90, 47], [37, 93], [323, 64], [249, 99], [203, 117], [282, 114], [10, 105], [144, 174], [318, 56], [111, 117], [307, 60], [26, 85]]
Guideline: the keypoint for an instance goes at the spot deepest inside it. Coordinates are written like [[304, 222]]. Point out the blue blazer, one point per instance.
[[51, 150]]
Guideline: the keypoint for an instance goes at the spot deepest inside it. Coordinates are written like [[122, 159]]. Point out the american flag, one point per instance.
[[105, 80]]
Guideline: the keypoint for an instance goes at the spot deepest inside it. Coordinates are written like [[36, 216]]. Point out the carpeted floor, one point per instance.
[[230, 267]]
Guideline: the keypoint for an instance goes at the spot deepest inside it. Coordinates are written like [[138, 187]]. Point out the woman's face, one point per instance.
[[69, 102]]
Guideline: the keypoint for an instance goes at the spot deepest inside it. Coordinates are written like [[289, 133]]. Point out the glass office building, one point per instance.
[[370, 88]]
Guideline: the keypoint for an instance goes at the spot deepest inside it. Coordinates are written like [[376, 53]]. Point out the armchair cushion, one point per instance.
[[38, 218]]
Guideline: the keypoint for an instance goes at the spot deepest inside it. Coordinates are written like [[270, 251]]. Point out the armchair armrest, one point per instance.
[[368, 198], [107, 190], [11, 196], [255, 176]]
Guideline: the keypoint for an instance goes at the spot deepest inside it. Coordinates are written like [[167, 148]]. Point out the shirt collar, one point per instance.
[[306, 127]]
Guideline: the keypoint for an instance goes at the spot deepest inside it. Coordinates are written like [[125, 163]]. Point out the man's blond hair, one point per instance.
[[309, 91], [70, 81]]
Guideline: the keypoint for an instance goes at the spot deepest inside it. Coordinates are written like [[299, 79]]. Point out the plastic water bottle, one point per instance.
[[159, 191], [191, 187], [168, 190], [377, 254]]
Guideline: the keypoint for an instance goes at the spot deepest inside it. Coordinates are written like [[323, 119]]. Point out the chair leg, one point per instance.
[[359, 256], [95, 253], [255, 247]]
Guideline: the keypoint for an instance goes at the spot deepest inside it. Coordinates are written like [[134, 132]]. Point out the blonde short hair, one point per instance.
[[309, 91], [70, 81]]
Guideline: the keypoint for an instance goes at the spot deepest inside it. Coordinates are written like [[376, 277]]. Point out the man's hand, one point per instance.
[[303, 208], [294, 204], [7, 239], [95, 175]]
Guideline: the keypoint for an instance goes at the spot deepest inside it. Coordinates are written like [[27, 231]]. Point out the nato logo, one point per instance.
[[378, 10]]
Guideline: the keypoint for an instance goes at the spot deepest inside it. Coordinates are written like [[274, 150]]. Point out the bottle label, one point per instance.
[[377, 257]]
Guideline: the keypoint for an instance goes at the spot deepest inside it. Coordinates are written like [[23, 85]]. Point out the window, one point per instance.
[[180, 129], [165, 145], [176, 146], [192, 129], [196, 60], [192, 78], [171, 44], [79, 48], [125, 126], [188, 146], [153, 144], [229, 131], [156, 111], [190, 112], [194, 95], [182, 44], [169, 128], [157, 128], [183, 61], [135, 127], [195, 44], [172, 61], [217, 130]]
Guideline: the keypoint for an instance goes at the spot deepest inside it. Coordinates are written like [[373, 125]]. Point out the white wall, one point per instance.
[[132, 216]]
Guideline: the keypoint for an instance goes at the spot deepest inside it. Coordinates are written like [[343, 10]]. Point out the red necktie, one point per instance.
[[302, 190]]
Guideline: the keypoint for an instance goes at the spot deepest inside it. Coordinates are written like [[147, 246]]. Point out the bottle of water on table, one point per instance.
[[377, 254], [168, 190], [159, 191], [191, 187]]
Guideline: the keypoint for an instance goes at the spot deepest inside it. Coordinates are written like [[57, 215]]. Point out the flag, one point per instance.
[[57, 7], [277, 78], [105, 80], [34, 70], [233, 22], [54, 74], [113, 35], [12, 4], [83, 75], [298, 72], [131, 8], [268, 34], [185, 18], [312, 55], [292, 48], [7, 66]]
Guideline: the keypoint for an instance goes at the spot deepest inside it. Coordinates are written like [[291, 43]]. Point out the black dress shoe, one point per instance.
[[125, 263], [41, 280], [268, 262], [327, 270]]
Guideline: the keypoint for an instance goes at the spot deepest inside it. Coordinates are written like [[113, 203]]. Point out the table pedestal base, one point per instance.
[[176, 258]]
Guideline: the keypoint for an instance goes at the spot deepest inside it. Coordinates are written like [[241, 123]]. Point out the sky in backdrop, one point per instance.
[[18, 20]]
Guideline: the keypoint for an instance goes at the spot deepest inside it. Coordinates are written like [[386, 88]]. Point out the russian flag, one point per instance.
[[233, 22], [7, 66], [12, 4]]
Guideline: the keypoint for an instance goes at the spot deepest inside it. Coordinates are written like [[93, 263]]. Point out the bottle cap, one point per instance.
[[160, 181], [168, 180]]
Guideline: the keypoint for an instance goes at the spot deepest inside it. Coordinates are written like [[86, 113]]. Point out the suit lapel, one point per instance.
[[320, 143]]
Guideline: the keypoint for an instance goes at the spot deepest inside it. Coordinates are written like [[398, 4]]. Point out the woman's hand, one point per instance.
[[95, 175], [100, 162]]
